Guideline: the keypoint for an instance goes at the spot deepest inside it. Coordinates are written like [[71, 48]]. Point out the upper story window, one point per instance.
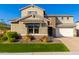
[[32, 12]]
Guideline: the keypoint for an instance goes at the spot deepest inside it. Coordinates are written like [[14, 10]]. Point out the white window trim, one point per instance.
[[39, 34]]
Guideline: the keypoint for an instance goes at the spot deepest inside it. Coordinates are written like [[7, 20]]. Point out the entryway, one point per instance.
[[51, 32]]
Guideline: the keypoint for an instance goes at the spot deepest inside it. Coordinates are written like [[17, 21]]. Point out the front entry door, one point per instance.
[[50, 31]]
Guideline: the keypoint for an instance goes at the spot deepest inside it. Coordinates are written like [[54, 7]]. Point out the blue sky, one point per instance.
[[11, 11]]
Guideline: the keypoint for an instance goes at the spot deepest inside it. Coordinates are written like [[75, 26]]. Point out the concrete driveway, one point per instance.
[[71, 43]]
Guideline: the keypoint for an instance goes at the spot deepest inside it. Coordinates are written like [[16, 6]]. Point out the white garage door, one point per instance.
[[64, 32]]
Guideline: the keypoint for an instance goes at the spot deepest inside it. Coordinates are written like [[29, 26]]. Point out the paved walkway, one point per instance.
[[71, 43]]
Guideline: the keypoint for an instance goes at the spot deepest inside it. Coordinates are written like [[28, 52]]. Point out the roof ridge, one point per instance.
[[30, 6]]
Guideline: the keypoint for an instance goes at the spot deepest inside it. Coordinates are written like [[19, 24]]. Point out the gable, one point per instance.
[[31, 6], [24, 11]]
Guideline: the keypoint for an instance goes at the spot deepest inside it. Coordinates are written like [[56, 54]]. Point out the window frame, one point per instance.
[[29, 32], [36, 32], [32, 12], [33, 27]]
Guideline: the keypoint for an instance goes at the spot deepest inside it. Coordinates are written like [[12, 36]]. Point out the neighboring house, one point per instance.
[[77, 28], [35, 21]]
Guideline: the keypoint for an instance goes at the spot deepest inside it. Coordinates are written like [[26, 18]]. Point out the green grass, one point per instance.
[[33, 48]]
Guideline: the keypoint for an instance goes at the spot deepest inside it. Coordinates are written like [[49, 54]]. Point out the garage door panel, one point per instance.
[[65, 32]]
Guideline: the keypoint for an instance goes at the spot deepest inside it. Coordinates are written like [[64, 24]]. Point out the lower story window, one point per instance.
[[36, 31], [33, 29], [30, 30]]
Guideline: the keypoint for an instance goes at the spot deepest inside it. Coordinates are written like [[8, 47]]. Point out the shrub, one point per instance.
[[11, 39], [12, 36], [1, 35], [27, 38], [4, 38], [44, 39]]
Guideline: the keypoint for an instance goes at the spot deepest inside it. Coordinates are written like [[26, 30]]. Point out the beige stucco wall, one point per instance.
[[43, 30], [25, 11], [19, 28]]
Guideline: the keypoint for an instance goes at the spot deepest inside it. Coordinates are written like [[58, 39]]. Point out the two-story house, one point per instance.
[[35, 21]]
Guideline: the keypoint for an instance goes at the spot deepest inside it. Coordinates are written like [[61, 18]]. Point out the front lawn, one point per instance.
[[33, 48]]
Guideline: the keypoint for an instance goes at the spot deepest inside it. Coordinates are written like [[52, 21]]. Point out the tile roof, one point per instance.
[[18, 19], [28, 17], [33, 21]]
